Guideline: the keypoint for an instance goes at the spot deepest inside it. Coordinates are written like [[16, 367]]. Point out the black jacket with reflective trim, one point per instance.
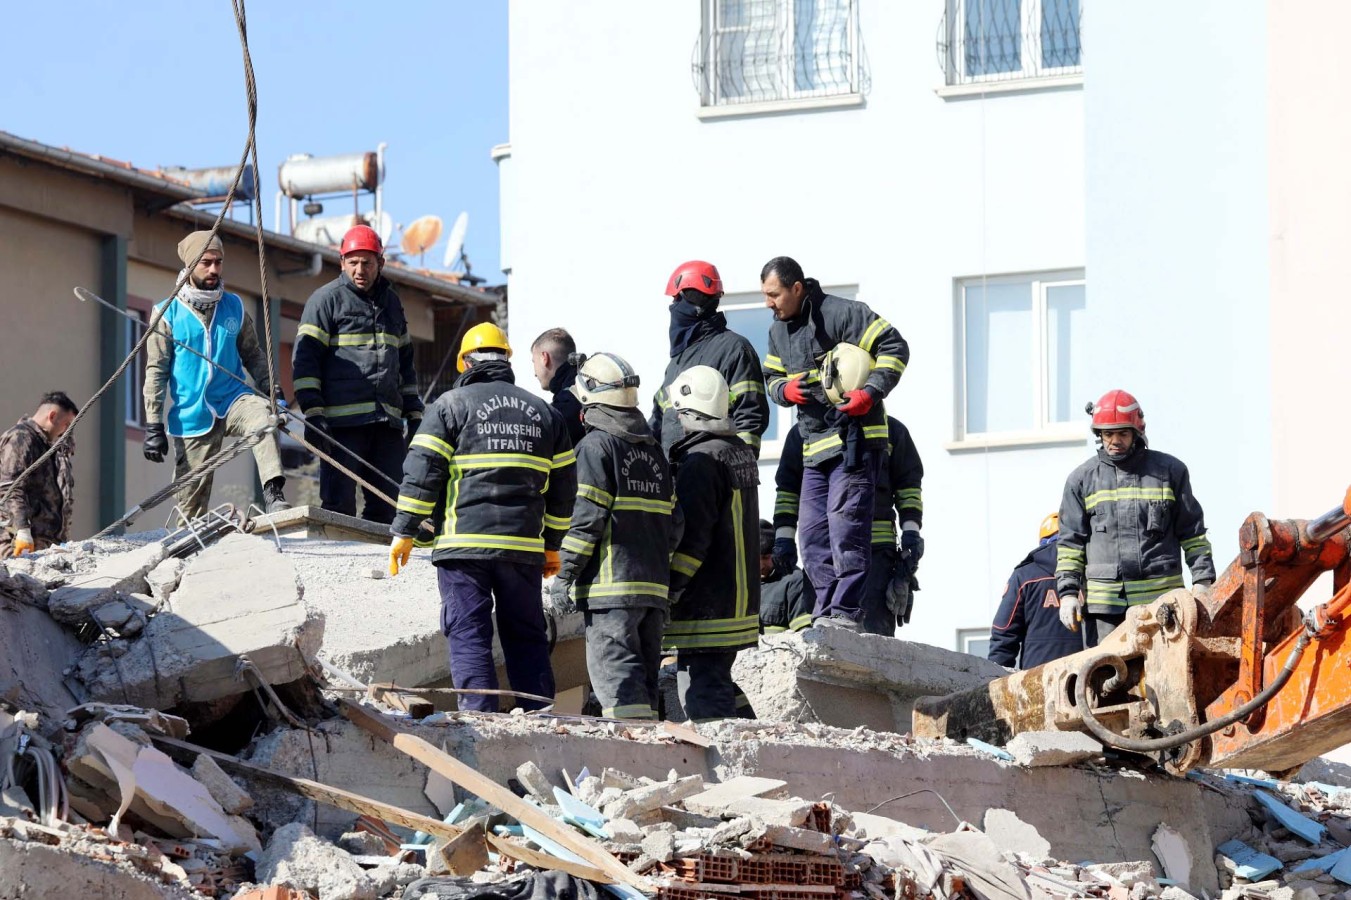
[[786, 603], [353, 357], [501, 459], [617, 552], [566, 402], [715, 570], [796, 349], [898, 491], [735, 359], [1124, 528]]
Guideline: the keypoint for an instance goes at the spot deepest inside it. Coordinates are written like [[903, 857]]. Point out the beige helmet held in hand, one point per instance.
[[844, 368], [608, 379], [699, 395]]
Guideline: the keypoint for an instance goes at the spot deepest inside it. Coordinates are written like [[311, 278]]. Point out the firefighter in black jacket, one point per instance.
[[715, 582], [1026, 631], [834, 360], [551, 356], [353, 370], [500, 459], [616, 555], [891, 571], [700, 337], [786, 596]]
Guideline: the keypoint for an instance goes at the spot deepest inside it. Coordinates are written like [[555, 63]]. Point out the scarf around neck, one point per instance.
[[199, 299]]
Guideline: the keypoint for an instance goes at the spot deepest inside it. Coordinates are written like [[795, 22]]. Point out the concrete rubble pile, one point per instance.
[[168, 729]]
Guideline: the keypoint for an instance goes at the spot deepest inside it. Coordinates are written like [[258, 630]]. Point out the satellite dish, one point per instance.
[[419, 237], [455, 243]]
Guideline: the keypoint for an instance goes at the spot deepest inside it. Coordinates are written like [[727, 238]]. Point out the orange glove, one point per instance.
[[400, 549], [793, 393], [23, 542], [551, 563]]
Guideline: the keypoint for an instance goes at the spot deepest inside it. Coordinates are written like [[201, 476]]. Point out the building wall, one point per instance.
[[1178, 223], [50, 341], [616, 180]]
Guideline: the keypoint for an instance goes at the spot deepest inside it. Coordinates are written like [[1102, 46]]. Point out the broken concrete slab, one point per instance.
[[533, 779], [1012, 834], [220, 614], [1174, 855], [316, 523], [165, 577], [789, 838], [23, 588], [1053, 748], [36, 653], [712, 801], [791, 813], [32, 869], [296, 858], [646, 798], [121, 573], [223, 789], [842, 678]]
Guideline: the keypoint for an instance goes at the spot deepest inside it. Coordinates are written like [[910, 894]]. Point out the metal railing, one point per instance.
[[1009, 40], [758, 51]]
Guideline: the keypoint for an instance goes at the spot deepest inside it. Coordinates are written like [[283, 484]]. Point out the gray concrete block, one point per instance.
[[122, 573], [1013, 834], [232, 798], [1053, 748], [296, 858]]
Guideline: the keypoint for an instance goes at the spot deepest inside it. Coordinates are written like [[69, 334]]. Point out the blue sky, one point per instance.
[[160, 83]]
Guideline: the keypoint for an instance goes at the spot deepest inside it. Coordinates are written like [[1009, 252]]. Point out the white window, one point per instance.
[[1004, 40], [134, 381], [975, 641], [748, 316], [757, 51], [1024, 359]]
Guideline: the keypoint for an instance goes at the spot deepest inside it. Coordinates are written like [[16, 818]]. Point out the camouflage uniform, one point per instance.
[[38, 504]]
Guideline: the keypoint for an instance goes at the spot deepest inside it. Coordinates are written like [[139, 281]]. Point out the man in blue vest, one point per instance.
[[208, 404]]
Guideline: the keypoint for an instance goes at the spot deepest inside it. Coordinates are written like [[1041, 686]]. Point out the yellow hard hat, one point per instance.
[[1050, 525], [485, 336]]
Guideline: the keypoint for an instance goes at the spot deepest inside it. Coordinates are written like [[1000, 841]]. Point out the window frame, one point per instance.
[[785, 417], [1042, 427], [711, 96], [134, 326], [968, 636], [955, 75]]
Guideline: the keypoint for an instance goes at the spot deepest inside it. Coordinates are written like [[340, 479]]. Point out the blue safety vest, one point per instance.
[[201, 393]]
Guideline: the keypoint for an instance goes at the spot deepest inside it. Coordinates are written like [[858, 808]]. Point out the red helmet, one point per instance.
[[697, 275], [361, 237], [1117, 409]]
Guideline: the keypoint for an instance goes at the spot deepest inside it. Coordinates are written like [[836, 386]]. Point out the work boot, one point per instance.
[[274, 500], [844, 622]]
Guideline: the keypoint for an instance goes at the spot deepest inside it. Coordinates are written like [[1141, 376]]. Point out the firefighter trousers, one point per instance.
[[623, 656], [380, 445], [835, 530]]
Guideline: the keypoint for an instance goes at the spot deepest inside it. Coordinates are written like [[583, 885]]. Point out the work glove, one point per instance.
[[23, 542], [912, 548], [857, 403], [156, 442], [901, 588], [315, 430], [1072, 610], [1201, 590], [784, 554], [560, 597], [410, 431], [551, 563], [793, 393], [400, 550]]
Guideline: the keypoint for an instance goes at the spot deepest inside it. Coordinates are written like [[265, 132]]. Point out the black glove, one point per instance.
[[912, 549], [410, 431], [901, 590], [784, 554], [560, 596], [156, 443], [315, 428]]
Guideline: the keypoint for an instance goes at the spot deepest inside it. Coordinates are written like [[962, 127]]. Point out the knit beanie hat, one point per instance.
[[192, 246]]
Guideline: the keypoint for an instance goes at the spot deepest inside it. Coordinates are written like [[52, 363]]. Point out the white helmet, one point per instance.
[[699, 395], [608, 379], [845, 368]]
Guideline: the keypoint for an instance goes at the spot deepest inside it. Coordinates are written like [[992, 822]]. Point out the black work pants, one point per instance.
[[707, 690], [379, 444], [623, 654]]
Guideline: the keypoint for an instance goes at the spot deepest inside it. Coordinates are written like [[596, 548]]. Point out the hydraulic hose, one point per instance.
[[1173, 741]]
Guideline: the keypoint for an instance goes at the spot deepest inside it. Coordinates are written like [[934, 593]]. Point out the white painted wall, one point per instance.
[[616, 180]]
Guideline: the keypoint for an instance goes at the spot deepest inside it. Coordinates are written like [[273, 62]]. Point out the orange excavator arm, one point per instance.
[[1241, 679]]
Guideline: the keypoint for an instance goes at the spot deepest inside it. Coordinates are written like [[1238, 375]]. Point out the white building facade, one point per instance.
[[1043, 216]]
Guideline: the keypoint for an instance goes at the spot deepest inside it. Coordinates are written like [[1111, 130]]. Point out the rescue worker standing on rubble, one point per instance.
[[615, 559], [715, 591], [551, 356], [1127, 518], [208, 404], [36, 515], [353, 371], [1026, 631], [786, 596], [891, 570], [860, 356], [500, 459], [700, 337]]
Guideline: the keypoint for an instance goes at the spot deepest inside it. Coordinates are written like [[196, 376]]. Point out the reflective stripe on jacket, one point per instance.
[[786, 603], [735, 359], [1124, 529]]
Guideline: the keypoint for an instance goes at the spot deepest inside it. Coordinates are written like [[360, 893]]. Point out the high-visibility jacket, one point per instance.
[[617, 551], [353, 357], [500, 458], [735, 359], [786, 603], [796, 348], [898, 491], [1124, 528], [1026, 631], [715, 570]]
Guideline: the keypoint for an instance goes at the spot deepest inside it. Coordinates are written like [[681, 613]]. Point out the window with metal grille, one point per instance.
[[759, 51], [133, 385], [1006, 40]]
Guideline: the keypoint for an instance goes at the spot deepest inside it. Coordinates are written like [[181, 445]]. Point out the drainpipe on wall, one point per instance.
[[112, 412]]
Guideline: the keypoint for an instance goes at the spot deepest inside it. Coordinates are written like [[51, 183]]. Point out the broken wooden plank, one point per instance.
[[545, 862], [684, 733], [466, 854], [482, 786], [404, 701], [321, 792]]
